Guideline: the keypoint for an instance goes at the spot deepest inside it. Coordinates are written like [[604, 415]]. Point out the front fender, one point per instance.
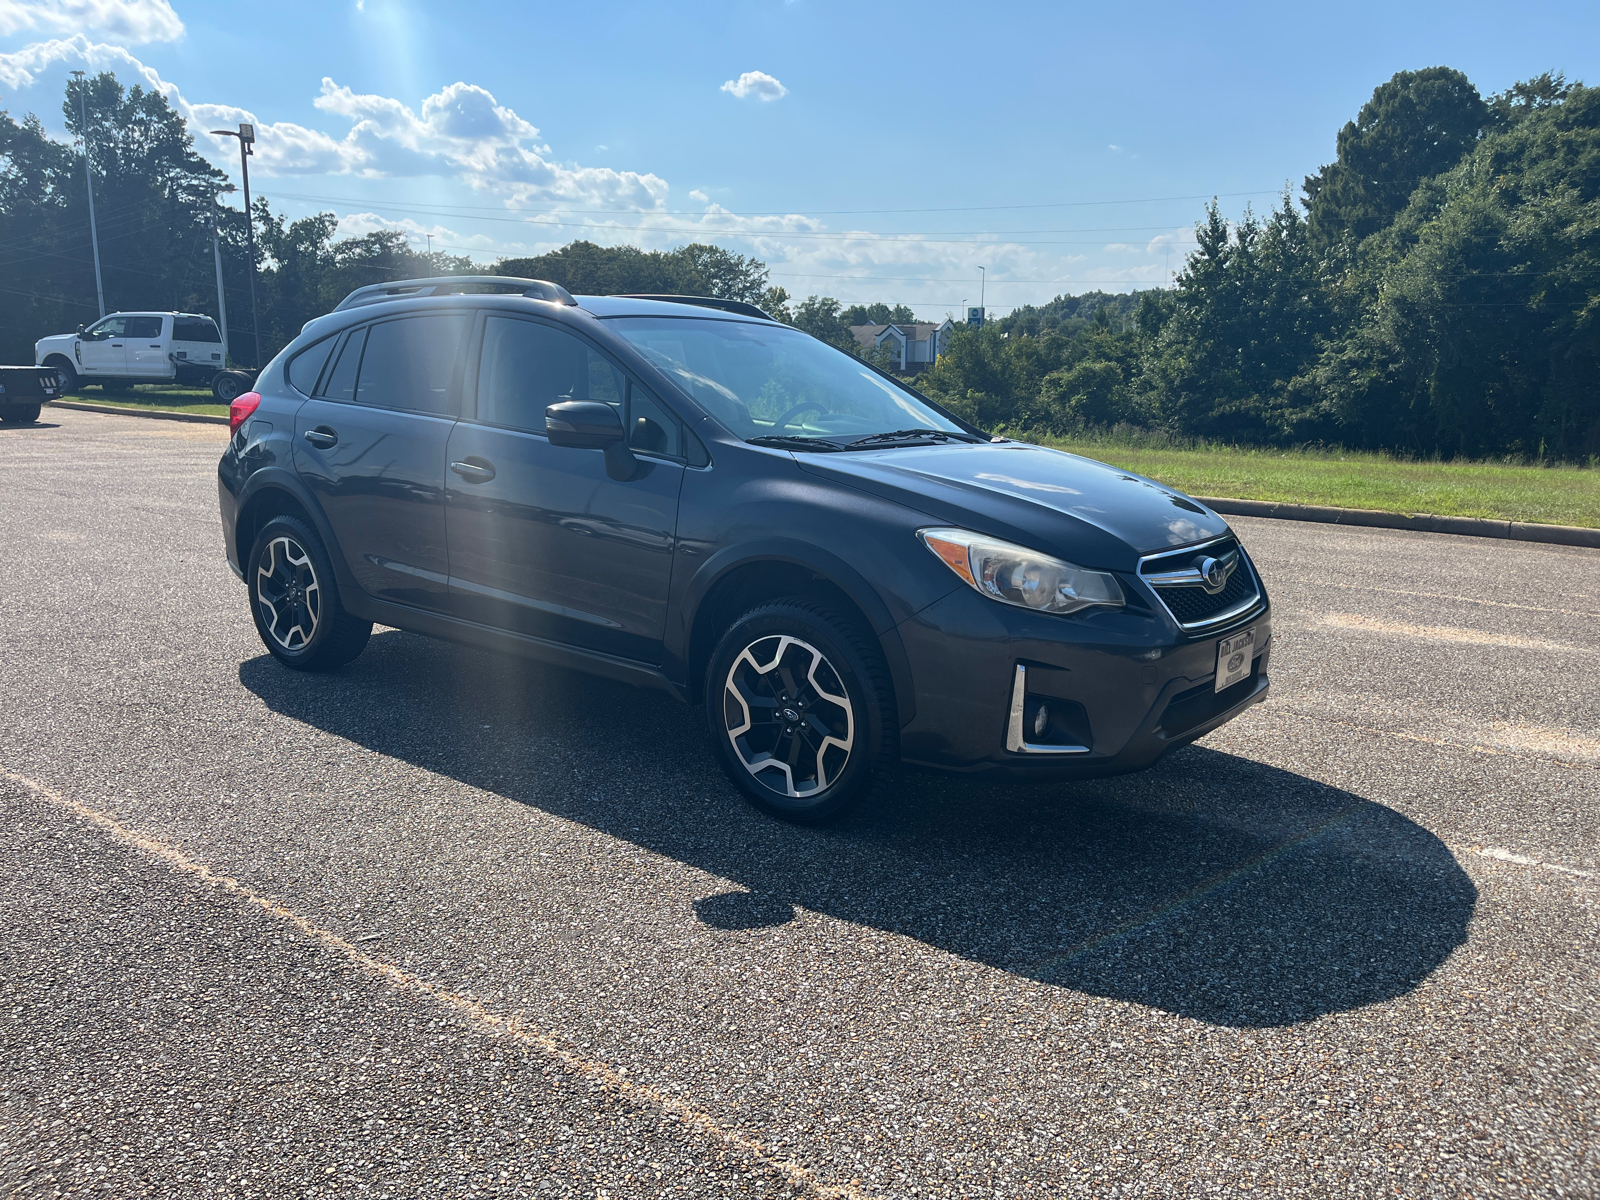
[[818, 561]]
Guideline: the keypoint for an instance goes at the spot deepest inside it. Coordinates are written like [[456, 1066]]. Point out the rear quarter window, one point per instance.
[[190, 329], [305, 368]]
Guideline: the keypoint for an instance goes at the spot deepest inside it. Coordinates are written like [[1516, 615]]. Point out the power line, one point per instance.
[[821, 212]]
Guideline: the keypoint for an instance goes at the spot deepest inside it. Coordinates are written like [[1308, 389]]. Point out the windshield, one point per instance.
[[765, 381]]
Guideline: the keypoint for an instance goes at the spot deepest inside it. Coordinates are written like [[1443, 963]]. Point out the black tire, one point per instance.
[[228, 386], [801, 657], [20, 414], [66, 376], [291, 583]]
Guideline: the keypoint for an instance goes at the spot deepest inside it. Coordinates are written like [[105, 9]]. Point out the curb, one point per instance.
[[162, 413], [1520, 531]]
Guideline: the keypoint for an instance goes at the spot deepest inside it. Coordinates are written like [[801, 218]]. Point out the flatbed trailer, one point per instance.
[[24, 391]]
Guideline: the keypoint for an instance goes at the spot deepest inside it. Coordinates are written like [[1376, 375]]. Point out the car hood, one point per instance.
[[1087, 511]]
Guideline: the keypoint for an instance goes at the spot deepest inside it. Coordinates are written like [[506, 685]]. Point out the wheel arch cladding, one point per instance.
[[275, 493], [743, 584]]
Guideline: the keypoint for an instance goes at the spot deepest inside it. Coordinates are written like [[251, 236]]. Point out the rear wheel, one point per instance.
[[228, 386], [20, 414], [295, 601], [800, 709]]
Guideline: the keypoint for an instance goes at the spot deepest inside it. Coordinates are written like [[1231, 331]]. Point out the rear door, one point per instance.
[[371, 445], [541, 540], [148, 338]]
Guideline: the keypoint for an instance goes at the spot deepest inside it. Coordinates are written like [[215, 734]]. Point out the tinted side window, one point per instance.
[[187, 329], [340, 383], [111, 327], [144, 327], [527, 367], [409, 363], [651, 427], [307, 365]]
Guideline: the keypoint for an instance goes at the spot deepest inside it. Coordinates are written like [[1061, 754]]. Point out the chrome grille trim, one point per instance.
[[1159, 581]]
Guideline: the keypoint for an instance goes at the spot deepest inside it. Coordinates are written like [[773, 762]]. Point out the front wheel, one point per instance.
[[295, 601], [801, 710], [66, 377]]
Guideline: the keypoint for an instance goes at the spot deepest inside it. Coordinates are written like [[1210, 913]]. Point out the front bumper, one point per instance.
[[1123, 687]]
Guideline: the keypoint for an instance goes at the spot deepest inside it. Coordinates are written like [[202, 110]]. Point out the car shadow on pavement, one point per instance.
[[1211, 885]]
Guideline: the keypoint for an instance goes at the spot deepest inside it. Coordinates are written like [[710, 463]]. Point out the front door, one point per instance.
[[103, 349], [147, 348], [371, 445], [542, 541]]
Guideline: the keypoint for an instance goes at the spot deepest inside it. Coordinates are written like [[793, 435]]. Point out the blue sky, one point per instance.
[[864, 152]]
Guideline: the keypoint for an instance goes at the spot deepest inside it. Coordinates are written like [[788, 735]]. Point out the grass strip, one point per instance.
[[168, 399], [1548, 495]]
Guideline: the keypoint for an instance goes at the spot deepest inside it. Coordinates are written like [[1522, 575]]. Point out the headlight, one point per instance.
[[1017, 575]]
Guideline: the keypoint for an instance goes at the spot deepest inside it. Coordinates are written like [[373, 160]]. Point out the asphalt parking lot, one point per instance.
[[440, 923]]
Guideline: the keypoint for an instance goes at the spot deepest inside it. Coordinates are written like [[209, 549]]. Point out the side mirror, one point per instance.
[[584, 423], [80, 328], [591, 425]]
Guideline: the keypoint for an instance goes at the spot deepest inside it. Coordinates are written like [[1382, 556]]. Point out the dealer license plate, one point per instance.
[[1233, 658]]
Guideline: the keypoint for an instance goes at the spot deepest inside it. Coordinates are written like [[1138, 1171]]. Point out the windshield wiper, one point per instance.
[[902, 435], [792, 442]]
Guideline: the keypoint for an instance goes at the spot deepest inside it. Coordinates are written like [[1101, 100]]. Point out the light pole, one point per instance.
[[983, 280], [88, 178], [247, 136], [216, 254]]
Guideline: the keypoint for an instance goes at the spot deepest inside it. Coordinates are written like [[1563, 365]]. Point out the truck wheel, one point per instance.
[[228, 386], [20, 414], [295, 601], [66, 377], [801, 710]]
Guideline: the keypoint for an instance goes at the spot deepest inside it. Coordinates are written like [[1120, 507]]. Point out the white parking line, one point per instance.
[[1522, 860], [1448, 633], [611, 1079]]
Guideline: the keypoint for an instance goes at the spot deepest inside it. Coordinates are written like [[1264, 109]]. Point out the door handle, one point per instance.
[[474, 470], [116, 345], [321, 437]]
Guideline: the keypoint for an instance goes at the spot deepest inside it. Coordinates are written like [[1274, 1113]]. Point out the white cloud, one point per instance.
[[462, 133], [129, 21], [755, 83]]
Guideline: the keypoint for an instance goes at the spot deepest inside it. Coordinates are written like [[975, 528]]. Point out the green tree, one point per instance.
[[1249, 314], [1417, 125]]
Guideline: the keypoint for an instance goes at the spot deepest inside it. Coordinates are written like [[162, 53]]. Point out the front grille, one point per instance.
[[1190, 604]]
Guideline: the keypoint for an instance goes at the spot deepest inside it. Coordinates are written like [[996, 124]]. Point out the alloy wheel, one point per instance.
[[288, 593], [788, 716]]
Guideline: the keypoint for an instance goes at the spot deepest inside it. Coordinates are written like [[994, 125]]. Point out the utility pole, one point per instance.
[[222, 297], [247, 136], [88, 178], [983, 280]]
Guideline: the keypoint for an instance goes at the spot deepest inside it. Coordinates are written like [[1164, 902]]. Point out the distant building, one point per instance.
[[915, 345]]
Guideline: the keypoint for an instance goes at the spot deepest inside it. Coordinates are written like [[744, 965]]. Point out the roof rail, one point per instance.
[[733, 306], [448, 285]]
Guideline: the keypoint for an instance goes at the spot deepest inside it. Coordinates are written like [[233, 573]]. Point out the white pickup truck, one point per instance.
[[142, 347]]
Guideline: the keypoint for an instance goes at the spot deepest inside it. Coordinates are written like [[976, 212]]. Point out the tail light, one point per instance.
[[239, 411]]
